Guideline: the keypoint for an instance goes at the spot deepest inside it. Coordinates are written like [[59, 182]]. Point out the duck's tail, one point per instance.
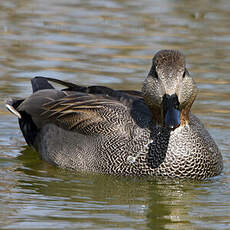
[[12, 105], [38, 83], [26, 123], [27, 126]]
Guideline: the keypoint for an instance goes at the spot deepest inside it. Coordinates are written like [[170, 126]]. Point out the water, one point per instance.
[[111, 43]]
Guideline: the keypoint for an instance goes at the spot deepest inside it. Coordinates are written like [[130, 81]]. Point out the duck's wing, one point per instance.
[[88, 110], [86, 113]]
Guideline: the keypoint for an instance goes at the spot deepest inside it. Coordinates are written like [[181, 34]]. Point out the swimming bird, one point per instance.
[[137, 133]]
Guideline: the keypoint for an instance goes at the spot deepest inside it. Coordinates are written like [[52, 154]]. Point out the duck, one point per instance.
[[97, 129]]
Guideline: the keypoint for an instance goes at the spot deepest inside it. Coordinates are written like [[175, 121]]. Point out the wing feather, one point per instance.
[[86, 113]]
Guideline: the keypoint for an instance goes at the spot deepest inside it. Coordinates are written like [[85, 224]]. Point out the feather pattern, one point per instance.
[[77, 111]]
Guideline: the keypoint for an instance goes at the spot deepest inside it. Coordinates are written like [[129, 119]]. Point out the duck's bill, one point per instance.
[[171, 114], [172, 118]]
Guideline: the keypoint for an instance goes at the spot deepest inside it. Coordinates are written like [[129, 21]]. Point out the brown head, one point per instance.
[[169, 90]]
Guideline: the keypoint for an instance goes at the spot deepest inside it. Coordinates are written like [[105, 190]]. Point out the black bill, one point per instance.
[[171, 111]]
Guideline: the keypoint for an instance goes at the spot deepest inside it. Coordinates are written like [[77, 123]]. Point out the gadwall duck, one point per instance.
[[98, 129]]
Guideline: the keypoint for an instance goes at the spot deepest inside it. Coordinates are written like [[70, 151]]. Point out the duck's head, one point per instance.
[[169, 90]]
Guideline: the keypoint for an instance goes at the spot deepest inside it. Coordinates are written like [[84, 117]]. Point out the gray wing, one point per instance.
[[85, 113]]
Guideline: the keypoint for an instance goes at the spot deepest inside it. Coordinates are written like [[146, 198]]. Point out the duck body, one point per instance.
[[98, 129]]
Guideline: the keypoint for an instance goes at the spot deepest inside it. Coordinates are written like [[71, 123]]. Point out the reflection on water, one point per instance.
[[111, 43], [45, 194]]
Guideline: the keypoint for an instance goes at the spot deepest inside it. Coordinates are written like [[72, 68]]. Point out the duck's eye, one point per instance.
[[184, 74], [153, 72]]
